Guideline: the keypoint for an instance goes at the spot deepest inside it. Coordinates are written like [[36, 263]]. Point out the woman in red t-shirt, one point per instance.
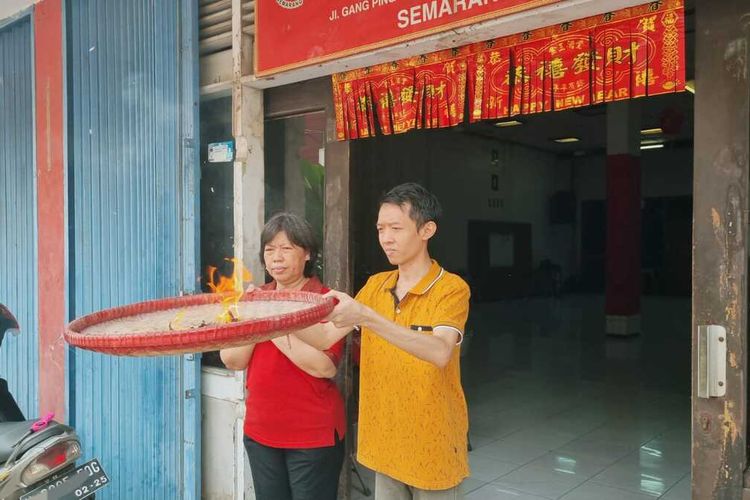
[[294, 419]]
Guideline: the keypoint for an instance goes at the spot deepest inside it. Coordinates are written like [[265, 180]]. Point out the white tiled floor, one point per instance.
[[559, 411]]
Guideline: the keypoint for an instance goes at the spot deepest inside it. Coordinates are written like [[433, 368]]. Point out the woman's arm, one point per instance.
[[306, 357], [322, 335], [237, 358]]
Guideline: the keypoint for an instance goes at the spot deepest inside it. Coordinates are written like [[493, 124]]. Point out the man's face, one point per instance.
[[398, 234]]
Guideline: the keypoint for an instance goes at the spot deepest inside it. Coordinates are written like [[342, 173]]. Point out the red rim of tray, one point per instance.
[[210, 338]]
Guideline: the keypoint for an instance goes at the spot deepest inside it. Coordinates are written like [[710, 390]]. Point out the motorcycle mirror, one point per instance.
[[8, 322]]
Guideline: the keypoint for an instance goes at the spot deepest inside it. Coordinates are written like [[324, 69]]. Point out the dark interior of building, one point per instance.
[[557, 406]]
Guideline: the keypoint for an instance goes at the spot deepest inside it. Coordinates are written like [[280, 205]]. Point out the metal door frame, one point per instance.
[[28, 400], [720, 244]]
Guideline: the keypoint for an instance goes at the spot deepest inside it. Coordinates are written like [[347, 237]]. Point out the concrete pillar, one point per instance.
[[623, 255]]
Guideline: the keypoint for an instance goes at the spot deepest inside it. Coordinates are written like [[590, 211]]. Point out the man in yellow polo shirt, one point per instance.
[[412, 418]]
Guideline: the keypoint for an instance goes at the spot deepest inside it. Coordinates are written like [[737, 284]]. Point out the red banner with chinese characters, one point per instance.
[[420, 92], [296, 33], [630, 53]]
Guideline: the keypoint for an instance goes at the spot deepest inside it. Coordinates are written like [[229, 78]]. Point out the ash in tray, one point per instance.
[[190, 318]]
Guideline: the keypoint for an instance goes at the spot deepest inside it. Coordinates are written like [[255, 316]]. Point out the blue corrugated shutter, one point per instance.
[[128, 240], [19, 359]]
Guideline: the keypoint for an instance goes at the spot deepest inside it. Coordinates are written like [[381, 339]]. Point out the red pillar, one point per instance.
[[48, 43], [623, 257]]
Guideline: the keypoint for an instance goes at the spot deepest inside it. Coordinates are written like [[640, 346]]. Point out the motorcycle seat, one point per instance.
[[12, 432]]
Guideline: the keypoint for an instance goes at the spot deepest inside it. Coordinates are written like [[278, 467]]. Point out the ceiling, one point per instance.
[[589, 124]]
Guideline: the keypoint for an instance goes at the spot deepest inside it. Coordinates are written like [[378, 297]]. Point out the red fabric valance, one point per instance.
[[626, 54]]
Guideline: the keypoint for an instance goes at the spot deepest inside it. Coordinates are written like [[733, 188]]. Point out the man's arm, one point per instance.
[[436, 349]]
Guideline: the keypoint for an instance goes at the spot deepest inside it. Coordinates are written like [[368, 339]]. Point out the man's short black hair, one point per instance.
[[423, 205], [299, 232]]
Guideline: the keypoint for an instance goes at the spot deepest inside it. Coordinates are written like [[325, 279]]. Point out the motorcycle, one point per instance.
[[38, 457]]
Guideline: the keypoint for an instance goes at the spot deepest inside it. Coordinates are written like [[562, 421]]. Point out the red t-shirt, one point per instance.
[[286, 407]]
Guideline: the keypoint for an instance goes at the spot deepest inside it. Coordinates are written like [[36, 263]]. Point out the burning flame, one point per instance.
[[232, 287]]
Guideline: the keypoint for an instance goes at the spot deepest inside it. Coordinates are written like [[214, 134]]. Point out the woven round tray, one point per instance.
[[189, 324]]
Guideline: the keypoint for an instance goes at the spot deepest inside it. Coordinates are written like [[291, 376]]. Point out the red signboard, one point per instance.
[[295, 33]]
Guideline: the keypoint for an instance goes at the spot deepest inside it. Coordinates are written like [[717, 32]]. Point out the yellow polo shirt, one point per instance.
[[412, 415]]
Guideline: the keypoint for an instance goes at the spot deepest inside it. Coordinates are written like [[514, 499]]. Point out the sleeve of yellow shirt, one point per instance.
[[361, 296], [364, 296], [453, 308]]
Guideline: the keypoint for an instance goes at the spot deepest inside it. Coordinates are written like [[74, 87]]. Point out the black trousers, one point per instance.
[[295, 474], [9, 411]]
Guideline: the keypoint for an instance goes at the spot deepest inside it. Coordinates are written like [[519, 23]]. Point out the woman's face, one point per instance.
[[284, 260]]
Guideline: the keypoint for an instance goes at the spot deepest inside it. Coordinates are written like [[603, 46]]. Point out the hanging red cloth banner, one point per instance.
[[634, 52], [420, 92]]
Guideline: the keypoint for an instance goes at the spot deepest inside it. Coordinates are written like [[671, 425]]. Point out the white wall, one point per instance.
[[460, 177], [225, 466], [457, 167]]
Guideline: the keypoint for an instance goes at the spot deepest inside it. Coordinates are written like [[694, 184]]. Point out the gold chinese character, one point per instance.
[[494, 57], [618, 54], [519, 76], [614, 55], [450, 67], [441, 90], [633, 52], [407, 94], [581, 63], [555, 67], [644, 78], [647, 24]]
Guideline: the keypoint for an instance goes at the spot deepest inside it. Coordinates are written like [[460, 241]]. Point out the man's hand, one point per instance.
[[348, 313], [437, 348]]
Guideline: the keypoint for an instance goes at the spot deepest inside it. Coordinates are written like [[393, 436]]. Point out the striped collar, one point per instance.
[[425, 284]]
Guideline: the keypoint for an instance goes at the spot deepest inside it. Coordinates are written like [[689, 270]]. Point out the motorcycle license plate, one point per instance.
[[77, 484]]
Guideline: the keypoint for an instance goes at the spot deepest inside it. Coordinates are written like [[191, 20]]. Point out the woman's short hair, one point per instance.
[[299, 232]]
